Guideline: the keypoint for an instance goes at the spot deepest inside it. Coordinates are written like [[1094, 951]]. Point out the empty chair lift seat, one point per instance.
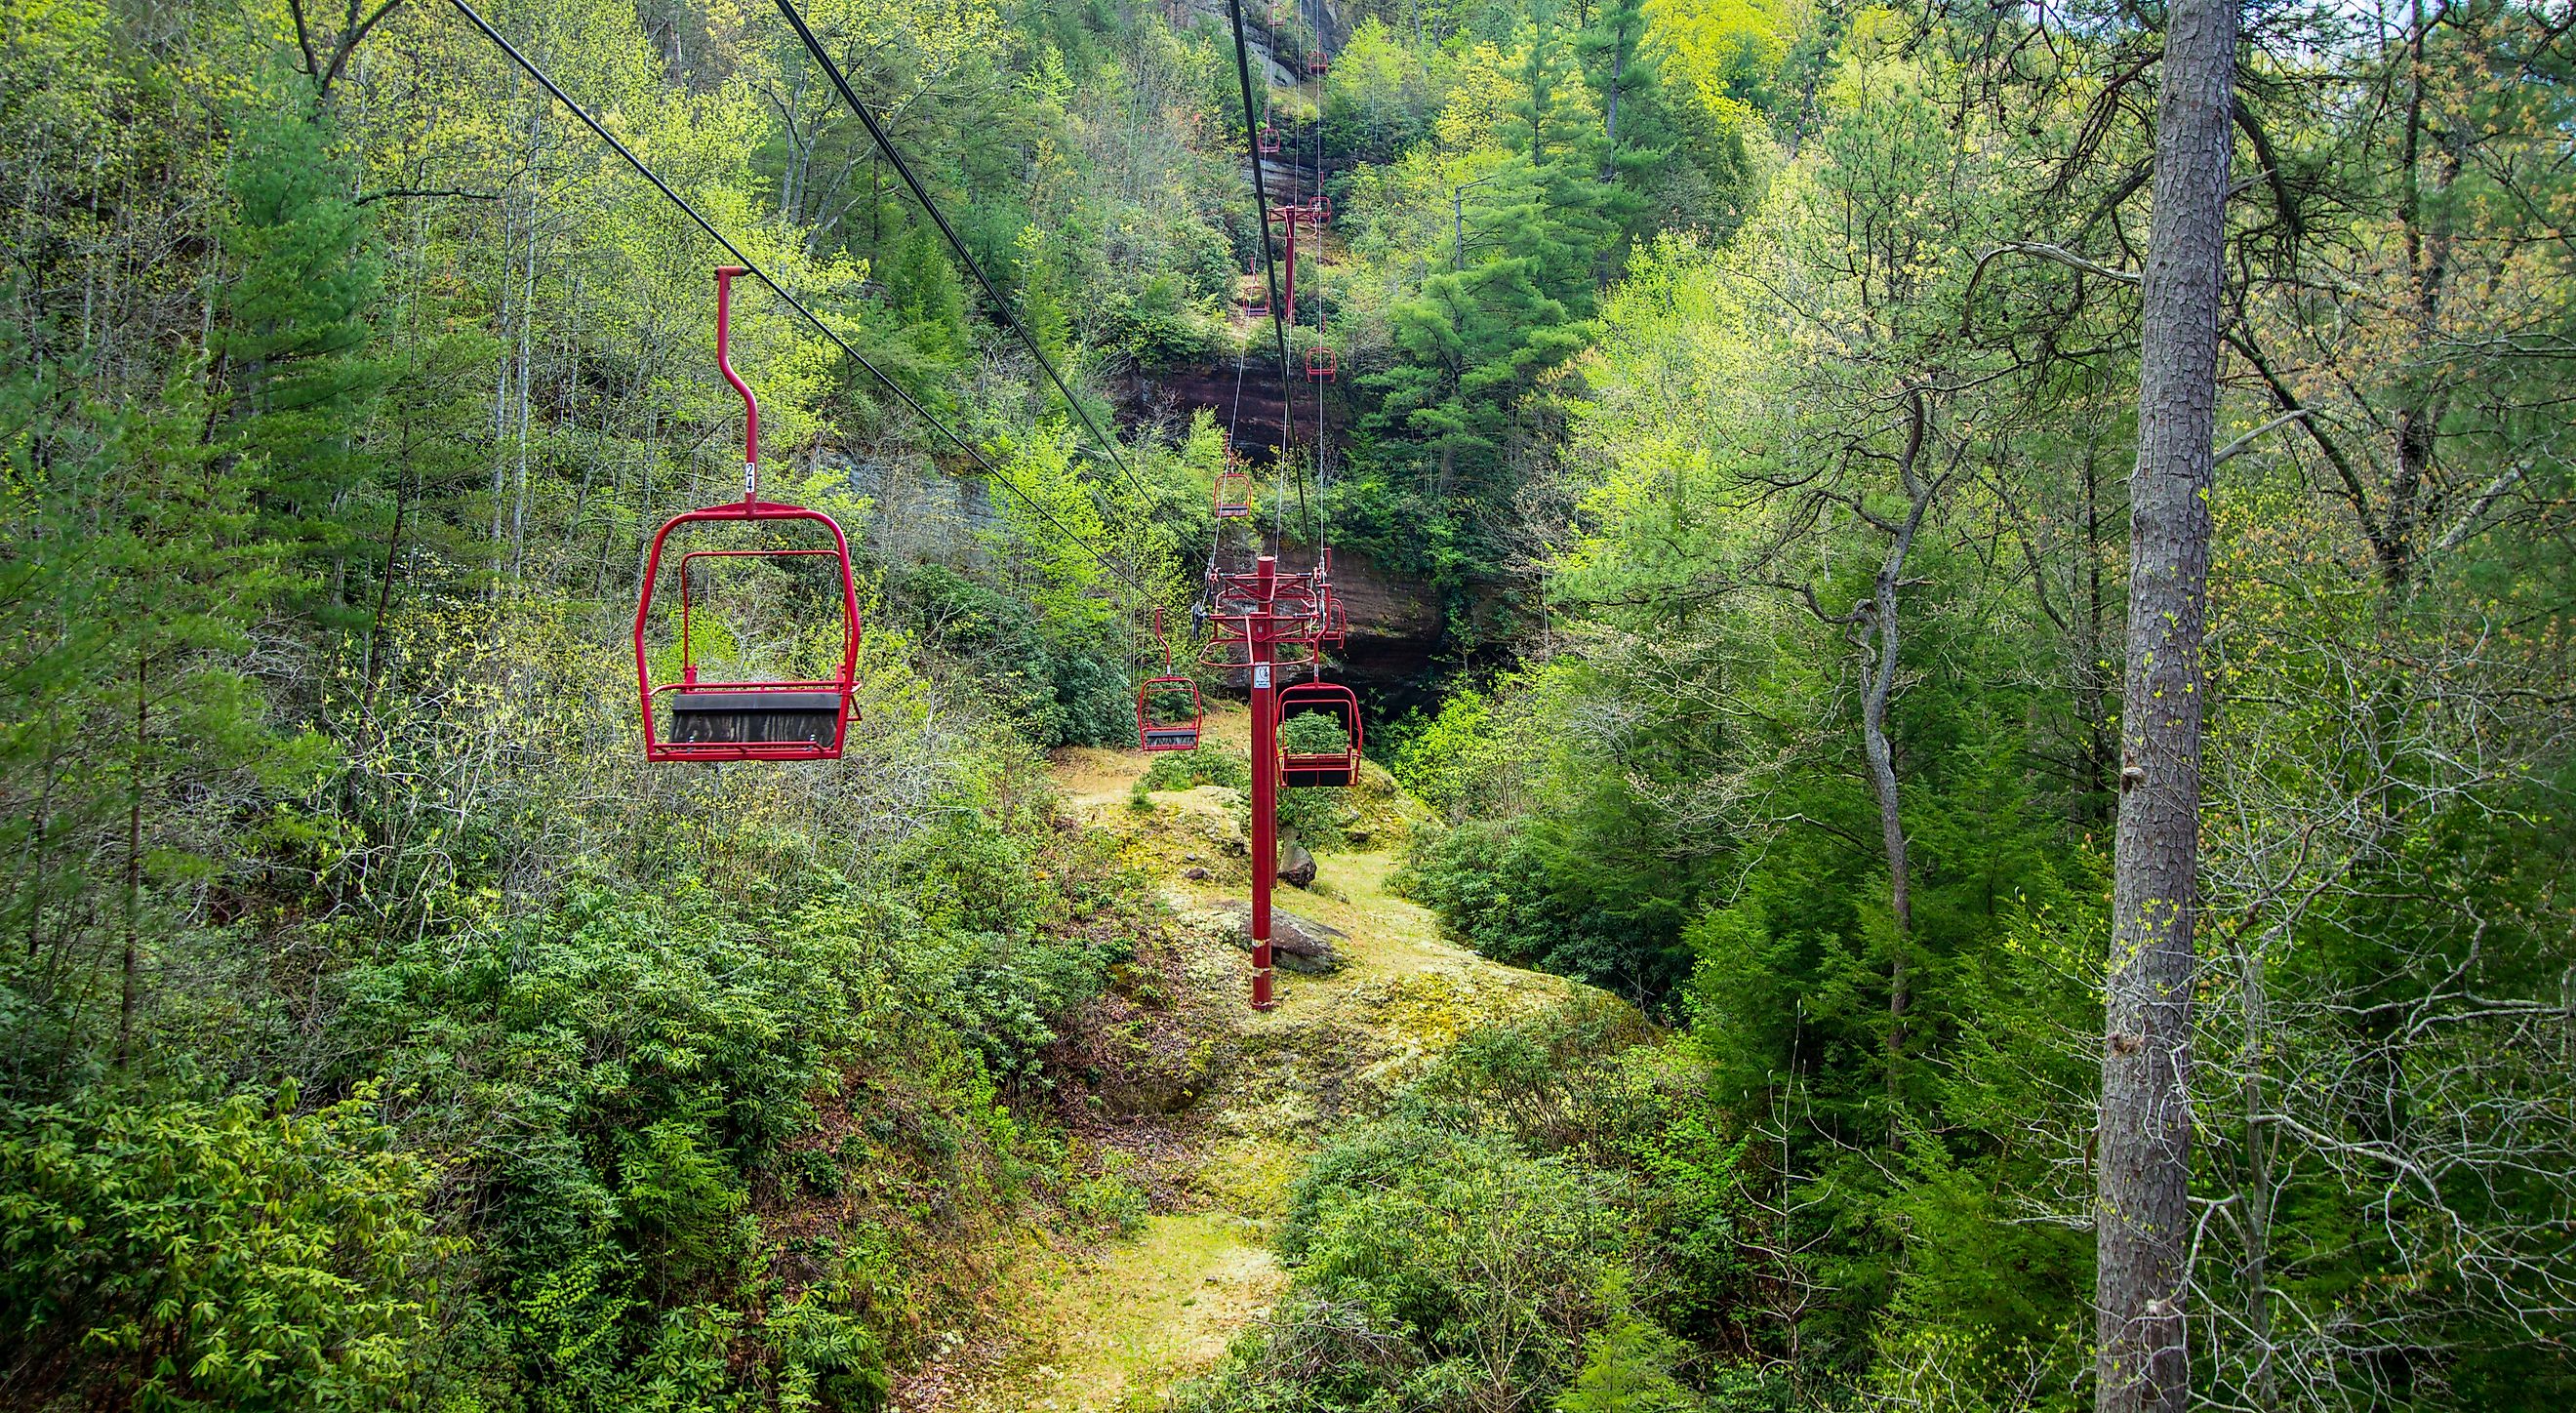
[[755, 717], [791, 718], [1171, 738]]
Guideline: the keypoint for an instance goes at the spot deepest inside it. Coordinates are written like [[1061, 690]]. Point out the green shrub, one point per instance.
[[1550, 1218], [1481, 1262], [685, 1208], [1527, 892], [643, 1061], [1443, 757], [1314, 734], [826, 1357], [1208, 765], [213, 1254]]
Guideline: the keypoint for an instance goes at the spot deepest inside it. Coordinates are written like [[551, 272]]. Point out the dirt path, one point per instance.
[[1115, 1326]]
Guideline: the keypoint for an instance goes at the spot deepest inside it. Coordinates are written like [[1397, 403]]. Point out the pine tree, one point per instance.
[[1628, 1366], [1472, 343], [136, 575], [924, 291], [1559, 204], [1626, 81], [297, 342], [1042, 310]]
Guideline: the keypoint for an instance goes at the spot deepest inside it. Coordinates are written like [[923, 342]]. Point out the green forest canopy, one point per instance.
[[1753, 383]]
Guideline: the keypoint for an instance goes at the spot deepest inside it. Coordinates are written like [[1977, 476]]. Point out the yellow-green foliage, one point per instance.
[[194, 1253]]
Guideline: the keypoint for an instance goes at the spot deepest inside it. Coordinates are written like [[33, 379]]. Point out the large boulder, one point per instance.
[[1296, 863], [1296, 943]]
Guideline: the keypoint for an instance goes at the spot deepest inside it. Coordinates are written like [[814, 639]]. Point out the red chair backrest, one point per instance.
[[1233, 495], [1320, 768], [1168, 730], [840, 686]]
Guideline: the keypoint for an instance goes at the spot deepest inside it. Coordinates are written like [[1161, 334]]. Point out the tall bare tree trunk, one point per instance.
[[2142, 1215], [133, 870], [1878, 684], [527, 372]]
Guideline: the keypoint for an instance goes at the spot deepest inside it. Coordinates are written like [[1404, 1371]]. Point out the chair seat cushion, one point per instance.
[[756, 701]]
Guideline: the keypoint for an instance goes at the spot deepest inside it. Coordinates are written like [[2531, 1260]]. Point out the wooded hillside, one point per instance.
[[1755, 388]]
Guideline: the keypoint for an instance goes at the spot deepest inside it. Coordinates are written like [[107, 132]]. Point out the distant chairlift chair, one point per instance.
[[1233, 496]]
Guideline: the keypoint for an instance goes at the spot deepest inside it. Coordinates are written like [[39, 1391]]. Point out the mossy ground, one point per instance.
[[1113, 1325]]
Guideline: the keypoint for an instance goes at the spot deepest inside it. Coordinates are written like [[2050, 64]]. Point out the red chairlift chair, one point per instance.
[[1333, 621], [1268, 140], [1317, 65], [783, 719], [1159, 719], [1233, 496], [1325, 768], [1319, 362]]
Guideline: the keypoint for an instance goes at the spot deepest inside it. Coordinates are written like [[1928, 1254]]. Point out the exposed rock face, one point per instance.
[[1296, 865], [1246, 401], [1395, 622], [919, 513], [1256, 31]]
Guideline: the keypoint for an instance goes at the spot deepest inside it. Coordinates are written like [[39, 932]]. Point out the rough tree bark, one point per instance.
[[2141, 1213]]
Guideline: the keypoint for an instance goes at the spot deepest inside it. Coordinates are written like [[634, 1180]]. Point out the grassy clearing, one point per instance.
[[1114, 1326]]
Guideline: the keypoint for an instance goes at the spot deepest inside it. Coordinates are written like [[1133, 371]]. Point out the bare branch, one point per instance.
[[2220, 457]]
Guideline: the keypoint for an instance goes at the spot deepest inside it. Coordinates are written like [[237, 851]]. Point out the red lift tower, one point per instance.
[[1264, 622], [1263, 630]]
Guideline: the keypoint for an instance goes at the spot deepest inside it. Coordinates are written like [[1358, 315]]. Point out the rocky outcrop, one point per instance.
[[1245, 401], [1395, 622], [1258, 43], [1296, 944]]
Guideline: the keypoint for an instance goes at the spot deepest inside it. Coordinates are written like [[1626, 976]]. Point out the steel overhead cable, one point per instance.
[[920, 193], [1261, 209], [1323, 430], [908, 400]]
